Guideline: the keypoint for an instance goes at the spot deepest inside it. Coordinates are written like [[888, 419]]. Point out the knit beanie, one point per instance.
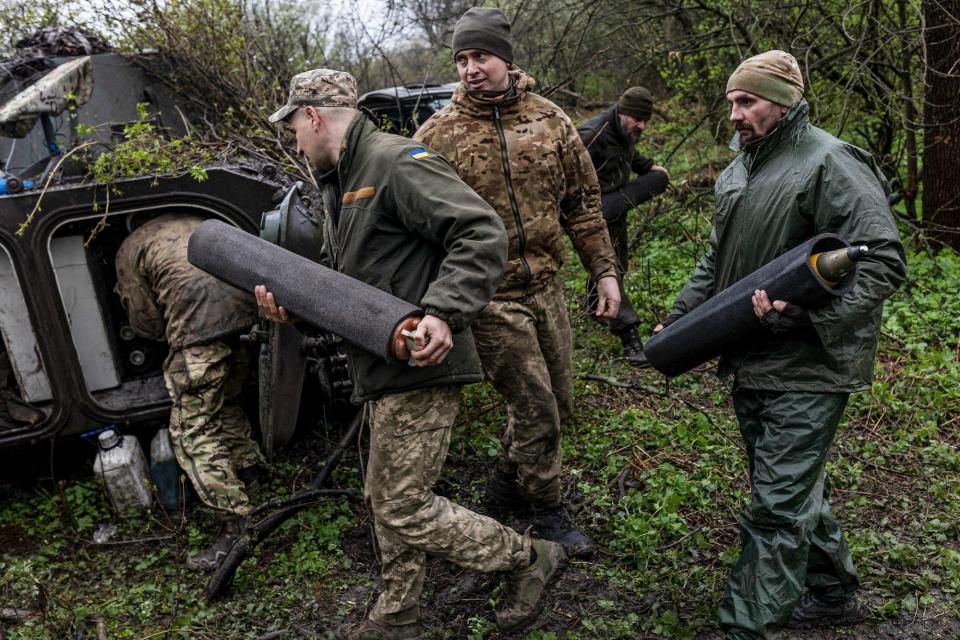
[[774, 76], [483, 28], [636, 102]]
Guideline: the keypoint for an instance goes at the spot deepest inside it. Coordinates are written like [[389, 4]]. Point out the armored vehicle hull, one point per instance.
[[72, 354], [69, 359]]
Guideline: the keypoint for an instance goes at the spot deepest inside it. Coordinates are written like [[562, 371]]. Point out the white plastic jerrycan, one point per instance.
[[122, 466]]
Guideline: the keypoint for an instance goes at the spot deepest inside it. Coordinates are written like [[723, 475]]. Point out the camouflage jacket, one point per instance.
[[168, 298], [522, 154]]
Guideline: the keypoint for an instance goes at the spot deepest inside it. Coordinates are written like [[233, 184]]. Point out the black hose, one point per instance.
[[254, 532]]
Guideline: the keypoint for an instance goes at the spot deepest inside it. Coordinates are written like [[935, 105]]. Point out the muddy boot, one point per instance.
[[504, 492], [372, 630], [209, 559], [632, 347], [522, 594], [554, 523], [812, 611]]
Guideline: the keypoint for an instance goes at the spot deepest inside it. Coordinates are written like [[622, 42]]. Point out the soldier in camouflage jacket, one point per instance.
[[169, 299], [522, 154]]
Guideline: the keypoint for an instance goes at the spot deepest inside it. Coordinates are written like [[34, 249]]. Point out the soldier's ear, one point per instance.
[[314, 116]]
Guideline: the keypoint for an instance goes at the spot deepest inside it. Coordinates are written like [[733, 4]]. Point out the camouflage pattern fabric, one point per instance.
[[551, 179], [210, 434], [526, 350], [627, 317], [409, 437], [319, 88], [168, 298]]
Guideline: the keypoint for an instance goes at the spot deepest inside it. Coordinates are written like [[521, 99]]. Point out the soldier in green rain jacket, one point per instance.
[[791, 181]]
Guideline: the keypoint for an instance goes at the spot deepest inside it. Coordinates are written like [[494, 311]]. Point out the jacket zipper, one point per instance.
[[521, 235], [330, 232], [335, 222]]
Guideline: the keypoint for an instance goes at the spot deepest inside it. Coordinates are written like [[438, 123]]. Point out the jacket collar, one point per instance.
[[479, 104], [790, 128], [616, 128], [358, 128]]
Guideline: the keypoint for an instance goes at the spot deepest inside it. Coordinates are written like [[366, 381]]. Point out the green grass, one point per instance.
[[656, 473]]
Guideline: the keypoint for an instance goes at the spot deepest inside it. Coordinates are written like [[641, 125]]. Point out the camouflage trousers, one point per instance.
[[526, 350], [210, 434], [409, 437]]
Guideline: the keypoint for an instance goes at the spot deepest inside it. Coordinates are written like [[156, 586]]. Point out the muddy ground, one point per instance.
[[598, 598]]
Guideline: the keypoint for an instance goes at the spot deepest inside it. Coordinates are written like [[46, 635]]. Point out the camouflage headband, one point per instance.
[[319, 88]]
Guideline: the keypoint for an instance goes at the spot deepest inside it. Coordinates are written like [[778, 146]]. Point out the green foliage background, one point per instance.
[[232, 58], [656, 468]]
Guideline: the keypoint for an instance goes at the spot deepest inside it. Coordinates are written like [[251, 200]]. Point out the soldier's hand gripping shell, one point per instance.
[[268, 306]]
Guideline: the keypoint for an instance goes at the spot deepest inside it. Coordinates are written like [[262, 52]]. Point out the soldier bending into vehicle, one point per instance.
[[611, 138], [199, 316]]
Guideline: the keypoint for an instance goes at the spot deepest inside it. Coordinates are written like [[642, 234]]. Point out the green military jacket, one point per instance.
[[166, 297], [522, 154], [399, 219], [800, 181]]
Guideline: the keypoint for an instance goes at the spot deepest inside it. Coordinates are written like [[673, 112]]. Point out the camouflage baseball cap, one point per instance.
[[319, 88]]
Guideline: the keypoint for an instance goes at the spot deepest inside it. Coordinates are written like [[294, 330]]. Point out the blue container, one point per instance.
[[11, 184], [166, 471]]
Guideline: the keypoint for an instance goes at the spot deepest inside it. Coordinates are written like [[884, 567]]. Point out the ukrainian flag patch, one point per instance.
[[419, 152]]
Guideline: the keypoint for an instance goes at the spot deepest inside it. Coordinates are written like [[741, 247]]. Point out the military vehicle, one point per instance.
[[403, 109], [69, 362]]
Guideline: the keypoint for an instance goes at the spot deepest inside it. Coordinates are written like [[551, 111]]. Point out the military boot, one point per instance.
[[632, 347], [504, 491], [813, 611], [373, 630], [522, 594], [210, 558], [555, 523]]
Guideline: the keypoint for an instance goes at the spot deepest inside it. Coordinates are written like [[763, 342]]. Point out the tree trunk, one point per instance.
[[909, 113], [941, 140]]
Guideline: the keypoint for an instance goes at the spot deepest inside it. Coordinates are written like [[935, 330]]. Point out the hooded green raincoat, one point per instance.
[[800, 181], [791, 388]]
